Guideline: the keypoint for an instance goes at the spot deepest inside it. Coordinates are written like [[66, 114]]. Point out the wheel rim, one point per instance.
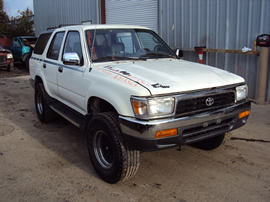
[[103, 149], [39, 104]]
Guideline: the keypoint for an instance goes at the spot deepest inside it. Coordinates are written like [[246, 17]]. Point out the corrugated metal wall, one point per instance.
[[218, 24], [133, 12], [51, 13]]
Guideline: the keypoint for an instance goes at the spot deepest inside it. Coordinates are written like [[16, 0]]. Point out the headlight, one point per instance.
[[9, 56], [241, 92], [153, 107]]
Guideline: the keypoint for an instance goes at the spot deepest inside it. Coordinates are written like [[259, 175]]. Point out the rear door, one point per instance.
[[51, 63]]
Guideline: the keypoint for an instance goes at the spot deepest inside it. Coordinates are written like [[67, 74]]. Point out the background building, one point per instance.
[[216, 24]]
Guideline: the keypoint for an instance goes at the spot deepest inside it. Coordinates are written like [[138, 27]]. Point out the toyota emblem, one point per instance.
[[209, 101]]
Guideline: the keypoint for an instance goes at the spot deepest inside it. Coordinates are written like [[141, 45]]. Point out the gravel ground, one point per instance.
[[49, 162]]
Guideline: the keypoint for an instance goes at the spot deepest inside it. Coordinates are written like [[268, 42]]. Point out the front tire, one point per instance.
[[10, 67], [211, 143], [111, 158], [44, 112]]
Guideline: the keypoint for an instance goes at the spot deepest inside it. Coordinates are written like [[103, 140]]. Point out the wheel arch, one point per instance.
[[25, 56], [97, 105], [38, 79]]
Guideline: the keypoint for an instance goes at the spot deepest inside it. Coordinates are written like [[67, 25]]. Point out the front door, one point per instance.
[[71, 86]]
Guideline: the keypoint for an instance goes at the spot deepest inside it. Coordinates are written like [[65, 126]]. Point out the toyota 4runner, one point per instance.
[[130, 92]]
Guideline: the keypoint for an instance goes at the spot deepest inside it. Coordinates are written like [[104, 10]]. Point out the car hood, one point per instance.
[[4, 50], [164, 76]]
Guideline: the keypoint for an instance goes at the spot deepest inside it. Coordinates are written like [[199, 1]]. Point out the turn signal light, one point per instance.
[[243, 114], [166, 133]]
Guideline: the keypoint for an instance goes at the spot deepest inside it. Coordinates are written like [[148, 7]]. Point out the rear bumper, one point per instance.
[[140, 135]]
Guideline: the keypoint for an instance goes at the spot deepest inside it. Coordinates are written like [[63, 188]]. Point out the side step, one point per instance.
[[71, 115]]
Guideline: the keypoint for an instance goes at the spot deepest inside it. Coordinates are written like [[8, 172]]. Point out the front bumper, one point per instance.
[[6, 64], [140, 135]]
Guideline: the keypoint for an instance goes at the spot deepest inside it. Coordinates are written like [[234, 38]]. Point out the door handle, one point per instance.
[[60, 69], [44, 65]]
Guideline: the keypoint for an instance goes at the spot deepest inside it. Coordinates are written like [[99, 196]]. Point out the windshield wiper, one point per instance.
[[114, 58], [156, 55]]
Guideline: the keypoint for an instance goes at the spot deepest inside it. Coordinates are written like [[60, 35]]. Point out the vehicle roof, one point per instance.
[[110, 26], [96, 26]]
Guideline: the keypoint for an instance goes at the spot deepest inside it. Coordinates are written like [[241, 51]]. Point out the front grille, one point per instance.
[[198, 104], [193, 134], [2, 58]]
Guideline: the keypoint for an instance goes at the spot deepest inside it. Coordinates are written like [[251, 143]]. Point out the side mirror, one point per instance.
[[179, 53], [71, 59]]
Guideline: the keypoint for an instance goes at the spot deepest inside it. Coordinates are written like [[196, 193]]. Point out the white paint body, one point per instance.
[[116, 81]]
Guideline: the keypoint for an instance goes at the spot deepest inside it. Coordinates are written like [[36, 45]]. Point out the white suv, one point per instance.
[[130, 92]]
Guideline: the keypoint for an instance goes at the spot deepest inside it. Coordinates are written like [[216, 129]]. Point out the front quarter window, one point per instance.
[[73, 45]]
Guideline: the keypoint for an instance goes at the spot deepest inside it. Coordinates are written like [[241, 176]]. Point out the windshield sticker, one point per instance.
[[91, 48]]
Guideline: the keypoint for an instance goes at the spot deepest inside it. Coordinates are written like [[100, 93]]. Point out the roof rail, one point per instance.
[[61, 25], [87, 22]]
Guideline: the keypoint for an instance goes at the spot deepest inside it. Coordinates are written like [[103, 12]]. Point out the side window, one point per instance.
[[55, 45], [41, 43], [73, 44], [16, 43]]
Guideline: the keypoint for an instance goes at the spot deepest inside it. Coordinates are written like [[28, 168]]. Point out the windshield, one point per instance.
[[123, 44], [1, 47], [29, 41]]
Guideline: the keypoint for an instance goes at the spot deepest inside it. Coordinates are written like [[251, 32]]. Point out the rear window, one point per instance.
[[41, 43]]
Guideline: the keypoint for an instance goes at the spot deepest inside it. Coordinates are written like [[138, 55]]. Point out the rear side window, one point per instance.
[[55, 46], [41, 43]]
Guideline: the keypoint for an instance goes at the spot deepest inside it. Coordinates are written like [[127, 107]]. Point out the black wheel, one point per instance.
[[44, 112], [10, 67], [111, 158], [26, 62], [211, 143]]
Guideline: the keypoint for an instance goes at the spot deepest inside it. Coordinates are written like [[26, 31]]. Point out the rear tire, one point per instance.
[[111, 158], [44, 112], [211, 143], [26, 61]]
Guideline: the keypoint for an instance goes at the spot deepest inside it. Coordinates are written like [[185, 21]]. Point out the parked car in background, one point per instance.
[[6, 59], [22, 47]]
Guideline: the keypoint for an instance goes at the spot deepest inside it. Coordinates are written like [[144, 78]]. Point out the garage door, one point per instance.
[[132, 12]]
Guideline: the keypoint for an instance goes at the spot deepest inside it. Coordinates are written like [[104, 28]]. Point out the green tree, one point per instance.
[[4, 20], [22, 25]]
